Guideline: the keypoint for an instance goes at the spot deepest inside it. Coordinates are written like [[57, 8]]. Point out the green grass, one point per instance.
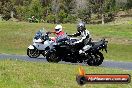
[[130, 22], [15, 37], [119, 52], [23, 74], [114, 31]]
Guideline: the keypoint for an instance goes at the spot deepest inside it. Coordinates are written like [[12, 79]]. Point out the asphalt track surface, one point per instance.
[[106, 63]]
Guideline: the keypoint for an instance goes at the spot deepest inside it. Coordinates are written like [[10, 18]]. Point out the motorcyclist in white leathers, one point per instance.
[[85, 36]]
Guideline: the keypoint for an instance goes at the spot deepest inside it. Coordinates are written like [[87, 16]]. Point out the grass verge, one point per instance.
[[22, 74]]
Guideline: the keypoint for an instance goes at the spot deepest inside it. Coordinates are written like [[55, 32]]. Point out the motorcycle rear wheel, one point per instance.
[[95, 59]]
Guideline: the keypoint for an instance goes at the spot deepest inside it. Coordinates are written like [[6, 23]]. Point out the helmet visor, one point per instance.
[[80, 28], [57, 29]]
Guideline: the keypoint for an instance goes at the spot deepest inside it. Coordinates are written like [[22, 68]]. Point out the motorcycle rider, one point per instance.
[[85, 36], [60, 35]]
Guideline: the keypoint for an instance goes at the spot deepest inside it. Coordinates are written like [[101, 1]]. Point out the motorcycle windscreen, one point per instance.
[[40, 33]]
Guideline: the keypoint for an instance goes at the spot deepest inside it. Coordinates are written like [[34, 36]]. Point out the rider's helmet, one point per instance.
[[33, 17], [58, 28], [81, 27]]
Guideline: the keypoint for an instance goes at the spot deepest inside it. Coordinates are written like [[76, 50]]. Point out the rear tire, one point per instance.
[[95, 59]]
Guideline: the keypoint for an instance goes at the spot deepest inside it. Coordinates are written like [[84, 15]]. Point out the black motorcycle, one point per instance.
[[95, 57], [64, 51]]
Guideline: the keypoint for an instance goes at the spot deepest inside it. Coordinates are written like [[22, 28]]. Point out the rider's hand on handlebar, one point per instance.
[[48, 32]]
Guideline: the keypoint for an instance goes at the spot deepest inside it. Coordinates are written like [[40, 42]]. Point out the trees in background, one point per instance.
[[6, 7], [63, 11], [129, 4]]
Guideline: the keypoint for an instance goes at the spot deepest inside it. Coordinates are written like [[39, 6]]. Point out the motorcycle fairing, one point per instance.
[[31, 47]]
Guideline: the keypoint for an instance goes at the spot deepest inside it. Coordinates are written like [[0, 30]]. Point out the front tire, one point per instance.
[[95, 59], [52, 57], [33, 53]]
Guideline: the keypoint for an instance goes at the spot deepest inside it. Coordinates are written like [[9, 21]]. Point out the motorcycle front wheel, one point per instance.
[[33, 53], [52, 57], [95, 59]]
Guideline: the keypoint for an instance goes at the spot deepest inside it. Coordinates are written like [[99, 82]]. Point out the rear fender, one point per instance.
[[102, 45]]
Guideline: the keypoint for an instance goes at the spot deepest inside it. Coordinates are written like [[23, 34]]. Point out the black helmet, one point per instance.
[[81, 27]]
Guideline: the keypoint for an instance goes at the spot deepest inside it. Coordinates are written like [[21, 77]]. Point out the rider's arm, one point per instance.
[[81, 40], [86, 35], [53, 32], [75, 35]]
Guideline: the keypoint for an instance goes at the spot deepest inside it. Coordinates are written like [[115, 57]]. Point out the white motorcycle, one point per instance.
[[41, 44]]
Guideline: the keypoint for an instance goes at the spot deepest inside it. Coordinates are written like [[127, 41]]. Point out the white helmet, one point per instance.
[[58, 28]]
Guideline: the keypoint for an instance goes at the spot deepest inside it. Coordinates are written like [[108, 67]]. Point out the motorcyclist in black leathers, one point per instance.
[[85, 36]]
